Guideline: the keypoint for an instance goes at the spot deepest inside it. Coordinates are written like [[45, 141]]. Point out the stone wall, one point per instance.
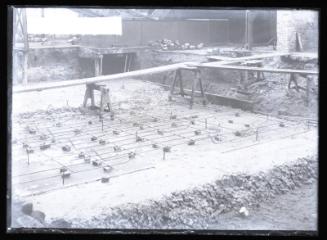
[[303, 22]]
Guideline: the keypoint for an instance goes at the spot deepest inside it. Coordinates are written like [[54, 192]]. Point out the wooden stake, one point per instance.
[[28, 157], [102, 124]]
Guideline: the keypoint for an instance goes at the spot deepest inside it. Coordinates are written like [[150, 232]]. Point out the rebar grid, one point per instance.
[[210, 124]]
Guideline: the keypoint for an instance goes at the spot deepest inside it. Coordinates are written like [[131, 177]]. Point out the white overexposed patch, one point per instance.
[[65, 21]]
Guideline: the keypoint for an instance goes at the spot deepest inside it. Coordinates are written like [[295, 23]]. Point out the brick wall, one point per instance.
[[305, 22]]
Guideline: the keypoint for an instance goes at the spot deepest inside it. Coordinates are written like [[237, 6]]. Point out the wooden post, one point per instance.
[[192, 94], [89, 94], [100, 63], [181, 83], [246, 79], [26, 45], [125, 69], [105, 99], [98, 66], [198, 77], [125, 64], [299, 45], [248, 29], [309, 80], [172, 87], [102, 123], [25, 66], [28, 157]]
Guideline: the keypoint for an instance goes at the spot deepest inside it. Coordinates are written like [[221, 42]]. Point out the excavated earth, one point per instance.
[[206, 205], [212, 205], [283, 197]]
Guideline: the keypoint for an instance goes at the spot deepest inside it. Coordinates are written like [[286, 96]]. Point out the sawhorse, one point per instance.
[[196, 79], [105, 104]]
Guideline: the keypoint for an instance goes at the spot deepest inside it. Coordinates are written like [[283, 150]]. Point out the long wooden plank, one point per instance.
[[273, 70], [241, 59], [68, 83], [220, 58], [311, 55]]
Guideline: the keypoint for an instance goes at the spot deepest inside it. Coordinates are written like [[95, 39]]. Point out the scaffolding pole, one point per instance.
[[20, 43]]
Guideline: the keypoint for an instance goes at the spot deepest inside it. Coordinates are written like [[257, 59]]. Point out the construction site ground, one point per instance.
[[226, 142]]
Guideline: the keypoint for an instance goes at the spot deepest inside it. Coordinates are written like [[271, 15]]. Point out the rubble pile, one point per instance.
[[166, 44], [197, 207], [23, 215]]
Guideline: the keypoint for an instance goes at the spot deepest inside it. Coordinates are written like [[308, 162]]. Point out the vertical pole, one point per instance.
[[92, 94], [206, 123], [309, 80], [192, 94], [198, 77], [250, 30], [257, 134], [86, 95], [164, 155], [241, 77], [26, 47], [246, 41], [63, 179], [125, 69], [172, 87], [25, 65], [100, 64], [96, 66], [102, 123], [28, 157], [181, 84], [246, 79], [125, 64]]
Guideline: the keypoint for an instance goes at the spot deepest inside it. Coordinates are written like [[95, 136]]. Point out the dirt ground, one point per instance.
[[146, 100], [295, 210], [271, 95]]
